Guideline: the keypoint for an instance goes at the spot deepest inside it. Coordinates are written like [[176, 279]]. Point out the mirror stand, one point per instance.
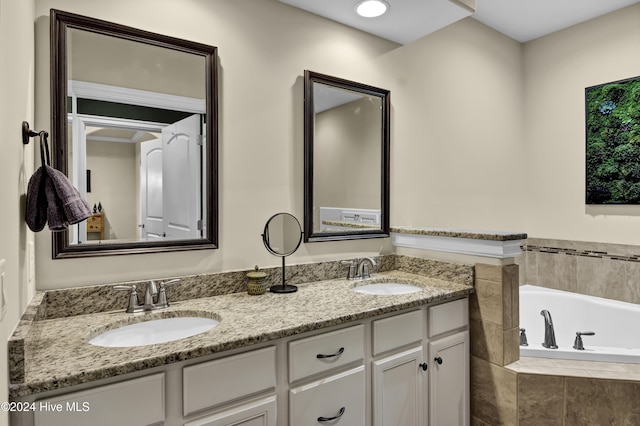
[[284, 287], [282, 236]]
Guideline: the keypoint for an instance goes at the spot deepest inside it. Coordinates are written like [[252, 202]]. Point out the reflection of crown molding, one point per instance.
[[123, 95]]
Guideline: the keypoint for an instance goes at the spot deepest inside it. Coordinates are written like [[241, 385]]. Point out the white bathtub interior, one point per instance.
[[615, 325]]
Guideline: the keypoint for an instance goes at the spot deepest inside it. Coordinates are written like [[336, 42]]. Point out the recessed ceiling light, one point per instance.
[[372, 8]]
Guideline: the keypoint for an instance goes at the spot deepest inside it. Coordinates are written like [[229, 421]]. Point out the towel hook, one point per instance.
[[28, 133]]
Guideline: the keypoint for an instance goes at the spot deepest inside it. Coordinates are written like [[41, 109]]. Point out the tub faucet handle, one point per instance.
[[523, 337], [578, 345]]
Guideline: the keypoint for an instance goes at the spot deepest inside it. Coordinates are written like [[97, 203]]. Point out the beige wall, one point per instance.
[[113, 175], [487, 133], [557, 70], [16, 165], [457, 145], [264, 48]]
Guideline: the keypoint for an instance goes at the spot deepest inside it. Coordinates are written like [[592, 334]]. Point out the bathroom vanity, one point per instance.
[[323, 355]]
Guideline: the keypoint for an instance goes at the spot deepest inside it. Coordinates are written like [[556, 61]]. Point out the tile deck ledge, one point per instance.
[[496, 244]]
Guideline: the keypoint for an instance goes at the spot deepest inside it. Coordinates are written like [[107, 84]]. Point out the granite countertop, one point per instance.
[[461, 233], [57, 353]]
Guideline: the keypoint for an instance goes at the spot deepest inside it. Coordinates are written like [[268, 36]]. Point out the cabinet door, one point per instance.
[[399, 390], [107, 405], [449, 390], [337, 401], [261, 412]]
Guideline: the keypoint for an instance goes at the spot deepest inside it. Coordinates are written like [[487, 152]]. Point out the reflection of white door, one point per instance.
[[151, 190], [182, 186]]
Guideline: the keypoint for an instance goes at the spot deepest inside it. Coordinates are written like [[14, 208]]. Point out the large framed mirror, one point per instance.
[[134, 127], [346, 159]]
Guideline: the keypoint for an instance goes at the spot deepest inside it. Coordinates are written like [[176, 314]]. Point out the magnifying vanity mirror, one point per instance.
[[346, 168], [282, 236], [134, 124]]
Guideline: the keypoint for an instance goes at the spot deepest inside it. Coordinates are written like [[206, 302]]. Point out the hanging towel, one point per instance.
[[52, 198], [36, 209], [73, 207], [55, 212]]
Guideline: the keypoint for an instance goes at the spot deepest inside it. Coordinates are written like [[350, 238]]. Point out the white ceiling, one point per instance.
[[408, 20]]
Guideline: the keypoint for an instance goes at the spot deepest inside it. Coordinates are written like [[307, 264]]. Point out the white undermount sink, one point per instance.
[[153, 332], [386, 288]]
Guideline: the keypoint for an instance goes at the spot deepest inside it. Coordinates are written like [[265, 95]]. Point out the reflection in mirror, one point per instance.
[[282, 236], [135, 129], [346, 159]]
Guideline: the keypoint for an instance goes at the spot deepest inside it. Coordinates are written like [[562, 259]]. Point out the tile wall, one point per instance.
[[597, 269], [534, 391]]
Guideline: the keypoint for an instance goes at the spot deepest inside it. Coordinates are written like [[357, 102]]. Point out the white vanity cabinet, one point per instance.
[[399, 369], [449, 364]]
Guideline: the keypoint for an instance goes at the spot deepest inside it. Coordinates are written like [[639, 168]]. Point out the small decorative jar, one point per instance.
[[257, 282]]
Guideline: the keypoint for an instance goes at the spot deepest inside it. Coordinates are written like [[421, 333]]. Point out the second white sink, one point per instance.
[[154, 332], [387, 288]]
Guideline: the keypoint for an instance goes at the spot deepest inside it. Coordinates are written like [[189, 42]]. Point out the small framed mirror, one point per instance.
[[134, 127], [282, 236], [346, 159]]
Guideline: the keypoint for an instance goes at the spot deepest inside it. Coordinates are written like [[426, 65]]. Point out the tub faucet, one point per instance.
[[549, 334]]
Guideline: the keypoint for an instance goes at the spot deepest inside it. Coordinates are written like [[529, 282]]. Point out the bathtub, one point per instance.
[[616, 325]]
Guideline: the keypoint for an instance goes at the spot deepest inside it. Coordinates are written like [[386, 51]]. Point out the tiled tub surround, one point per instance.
[[605, 270], [538, 391], [56, 353]]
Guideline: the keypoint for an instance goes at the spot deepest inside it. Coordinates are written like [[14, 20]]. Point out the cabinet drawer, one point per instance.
[[326, 351], [394, 332], [107, 405], [259, 412], [343, 393], [212, 383], [448, 316]]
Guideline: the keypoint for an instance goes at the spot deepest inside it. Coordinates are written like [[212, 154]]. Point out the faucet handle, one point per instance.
[[351, 274], [162, 294], [578, 345], [173, 281], [133, 296]]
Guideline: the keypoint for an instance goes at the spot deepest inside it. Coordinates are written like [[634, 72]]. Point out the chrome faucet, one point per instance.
[[155, 296], [549, 334], [359, 268]]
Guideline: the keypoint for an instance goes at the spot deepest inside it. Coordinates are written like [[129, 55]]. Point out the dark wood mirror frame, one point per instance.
[[311, 77], [61, 21]]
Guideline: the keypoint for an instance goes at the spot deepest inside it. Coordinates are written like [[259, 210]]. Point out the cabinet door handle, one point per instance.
[[438, 360], [328, 419], [424, 366], [321, 356]]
